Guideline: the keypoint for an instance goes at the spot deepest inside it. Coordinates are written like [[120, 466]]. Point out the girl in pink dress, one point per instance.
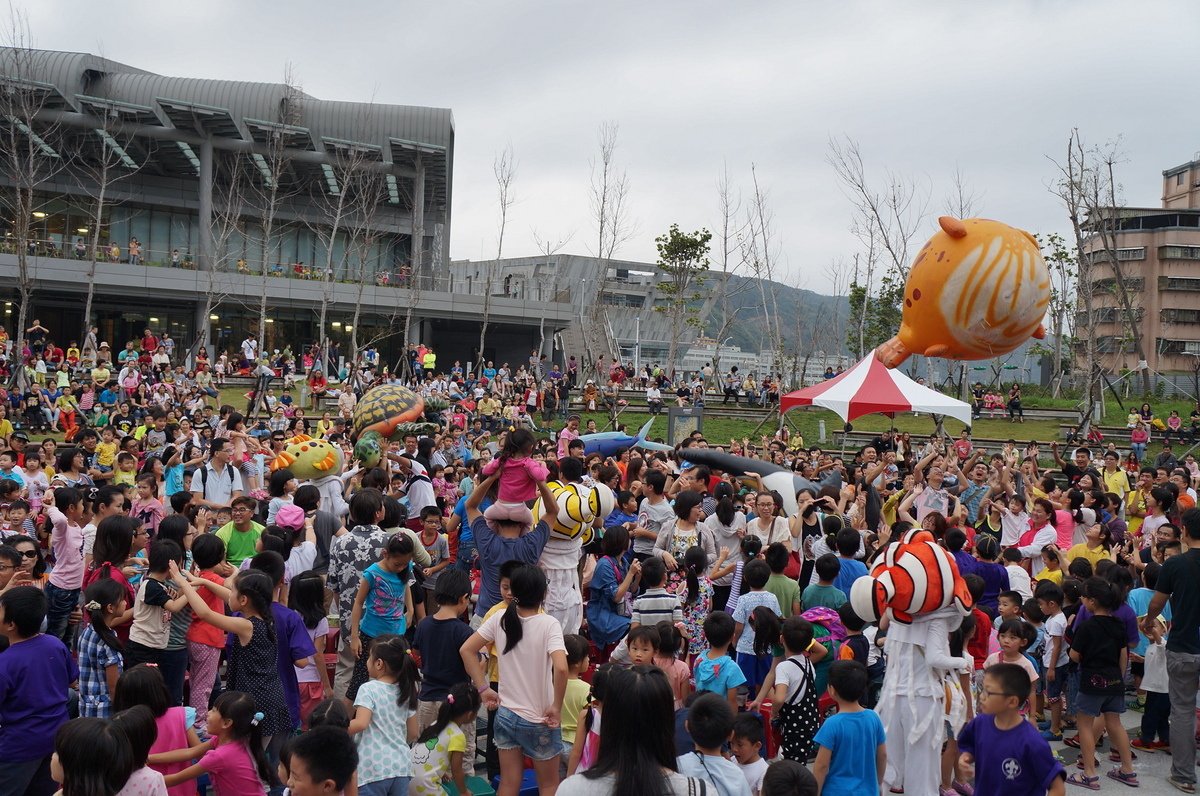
[[519, 476], [235, 762]]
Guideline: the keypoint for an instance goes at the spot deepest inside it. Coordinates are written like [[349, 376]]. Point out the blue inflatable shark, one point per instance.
[[607, 443]]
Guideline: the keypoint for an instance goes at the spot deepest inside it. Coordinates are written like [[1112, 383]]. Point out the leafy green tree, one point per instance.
[[683, 259], [874, 317]]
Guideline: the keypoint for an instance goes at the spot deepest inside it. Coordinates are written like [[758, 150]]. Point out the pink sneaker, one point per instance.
[[964, 788]]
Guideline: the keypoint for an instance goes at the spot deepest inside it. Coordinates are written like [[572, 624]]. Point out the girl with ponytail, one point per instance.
[[100, 663], [385, 716], [236, 763], [532, 652], [253, 660], [438, 753], [698, 600]]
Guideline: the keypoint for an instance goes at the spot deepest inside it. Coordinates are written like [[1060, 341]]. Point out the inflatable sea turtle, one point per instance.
[[386, 412], [384, 408]]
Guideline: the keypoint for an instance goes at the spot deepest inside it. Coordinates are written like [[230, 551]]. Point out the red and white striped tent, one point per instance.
[[869, 388]]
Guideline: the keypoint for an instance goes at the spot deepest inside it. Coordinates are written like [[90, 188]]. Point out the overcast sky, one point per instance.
[[991, 88]]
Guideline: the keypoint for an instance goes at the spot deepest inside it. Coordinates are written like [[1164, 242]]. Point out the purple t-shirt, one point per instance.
[[1016, 762], [35, 676], [294, 643], [1124, 613]]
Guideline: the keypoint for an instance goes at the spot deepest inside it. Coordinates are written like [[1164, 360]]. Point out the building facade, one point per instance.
[[189, 204], [1157, 251]]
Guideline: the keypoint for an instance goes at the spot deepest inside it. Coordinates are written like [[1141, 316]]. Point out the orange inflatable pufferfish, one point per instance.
[[978, 289]]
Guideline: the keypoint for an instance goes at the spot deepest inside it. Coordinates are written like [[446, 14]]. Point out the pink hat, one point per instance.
[[508, 512], [290, 516]]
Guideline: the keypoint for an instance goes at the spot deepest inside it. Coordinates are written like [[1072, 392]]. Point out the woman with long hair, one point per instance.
[[638, 763], [727, 526]]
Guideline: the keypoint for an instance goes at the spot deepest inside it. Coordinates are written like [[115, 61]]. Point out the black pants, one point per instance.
[[1156, 718], [136, 653]]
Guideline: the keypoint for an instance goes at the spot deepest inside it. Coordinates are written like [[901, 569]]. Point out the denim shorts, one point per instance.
[[537, 741], [1054, 688], [1099, 704]]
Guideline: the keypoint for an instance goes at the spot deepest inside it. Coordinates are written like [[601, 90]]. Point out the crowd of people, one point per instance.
[[167, 602]]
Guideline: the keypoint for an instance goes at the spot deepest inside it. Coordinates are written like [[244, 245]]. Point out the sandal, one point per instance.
[[1179, 784], [1091, 783], [1125, 779]]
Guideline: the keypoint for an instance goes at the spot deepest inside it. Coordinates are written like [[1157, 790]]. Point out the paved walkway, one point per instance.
[[1152, 768]]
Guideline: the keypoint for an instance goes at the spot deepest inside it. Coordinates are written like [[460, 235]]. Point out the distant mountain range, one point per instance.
[[822, 319]]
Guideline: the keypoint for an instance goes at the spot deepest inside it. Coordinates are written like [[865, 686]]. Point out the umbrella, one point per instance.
[[869, 387]]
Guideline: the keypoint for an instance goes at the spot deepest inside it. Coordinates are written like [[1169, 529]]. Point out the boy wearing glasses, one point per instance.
[[1008, 753], [240, 535]]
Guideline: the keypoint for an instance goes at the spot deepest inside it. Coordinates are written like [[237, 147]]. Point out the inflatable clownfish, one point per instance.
[[978, 289], [914, 576]]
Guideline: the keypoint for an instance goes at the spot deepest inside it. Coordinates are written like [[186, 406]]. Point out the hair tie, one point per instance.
[[155, 665], [410, 651], [93, 606], [450, 698], [257, 718]]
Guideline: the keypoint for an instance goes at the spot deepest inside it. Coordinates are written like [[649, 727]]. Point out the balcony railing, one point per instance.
[[399, 278]]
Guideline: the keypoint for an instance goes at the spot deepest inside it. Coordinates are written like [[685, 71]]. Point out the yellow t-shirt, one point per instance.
[[6, 428], [1054, 576], [123, 477], [1081, 551], [106, 453], [574, 699], [1116, 481], [1136, 501]]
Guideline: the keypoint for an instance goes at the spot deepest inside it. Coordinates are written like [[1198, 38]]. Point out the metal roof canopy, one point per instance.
[[200, 119]]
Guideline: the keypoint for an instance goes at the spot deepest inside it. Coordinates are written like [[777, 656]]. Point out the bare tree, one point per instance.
[[30, 156], [961, 202], [1065, 277], [547, 292], [730, 231], [218, 281], [886, 221], [1088, 189], [504, 167], [269, 187], [761, 252], [100, 167], [609, 200], [366, 235]]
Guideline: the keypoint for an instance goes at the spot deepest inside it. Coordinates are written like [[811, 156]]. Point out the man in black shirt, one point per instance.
[[1179, 582], [1075, 470]]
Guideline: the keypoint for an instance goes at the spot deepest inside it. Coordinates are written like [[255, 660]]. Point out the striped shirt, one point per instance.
[[654, 606]]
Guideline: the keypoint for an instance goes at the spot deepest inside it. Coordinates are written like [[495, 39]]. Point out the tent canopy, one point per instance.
[[869, 387]]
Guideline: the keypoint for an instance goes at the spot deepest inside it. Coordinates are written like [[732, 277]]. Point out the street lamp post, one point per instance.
[[637, 345]]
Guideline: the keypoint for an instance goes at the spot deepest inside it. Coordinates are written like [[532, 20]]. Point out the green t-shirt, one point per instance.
[[239, 546], [786, 590], [817, 595]]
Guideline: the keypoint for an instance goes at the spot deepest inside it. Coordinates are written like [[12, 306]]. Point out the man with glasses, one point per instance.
[[218, 483], [241, 534]]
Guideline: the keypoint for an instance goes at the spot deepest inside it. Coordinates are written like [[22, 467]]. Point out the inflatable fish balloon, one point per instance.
[[914, 576], [977, 290], [607, 443]]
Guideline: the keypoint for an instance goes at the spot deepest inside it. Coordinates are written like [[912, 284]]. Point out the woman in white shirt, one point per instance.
[[767, 524]]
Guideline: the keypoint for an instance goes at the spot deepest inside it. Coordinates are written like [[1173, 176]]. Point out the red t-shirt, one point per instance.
[[200, 631], [977, 647]]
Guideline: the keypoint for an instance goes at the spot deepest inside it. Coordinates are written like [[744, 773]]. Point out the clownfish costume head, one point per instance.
[[914, 576]]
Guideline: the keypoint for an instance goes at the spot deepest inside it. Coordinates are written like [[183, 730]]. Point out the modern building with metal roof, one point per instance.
[[259, 183]]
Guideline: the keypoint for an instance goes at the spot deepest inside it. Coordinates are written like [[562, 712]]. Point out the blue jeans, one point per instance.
[[396, 786], [1139, 450], [61, 602], [466, 554], [173, 665]]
